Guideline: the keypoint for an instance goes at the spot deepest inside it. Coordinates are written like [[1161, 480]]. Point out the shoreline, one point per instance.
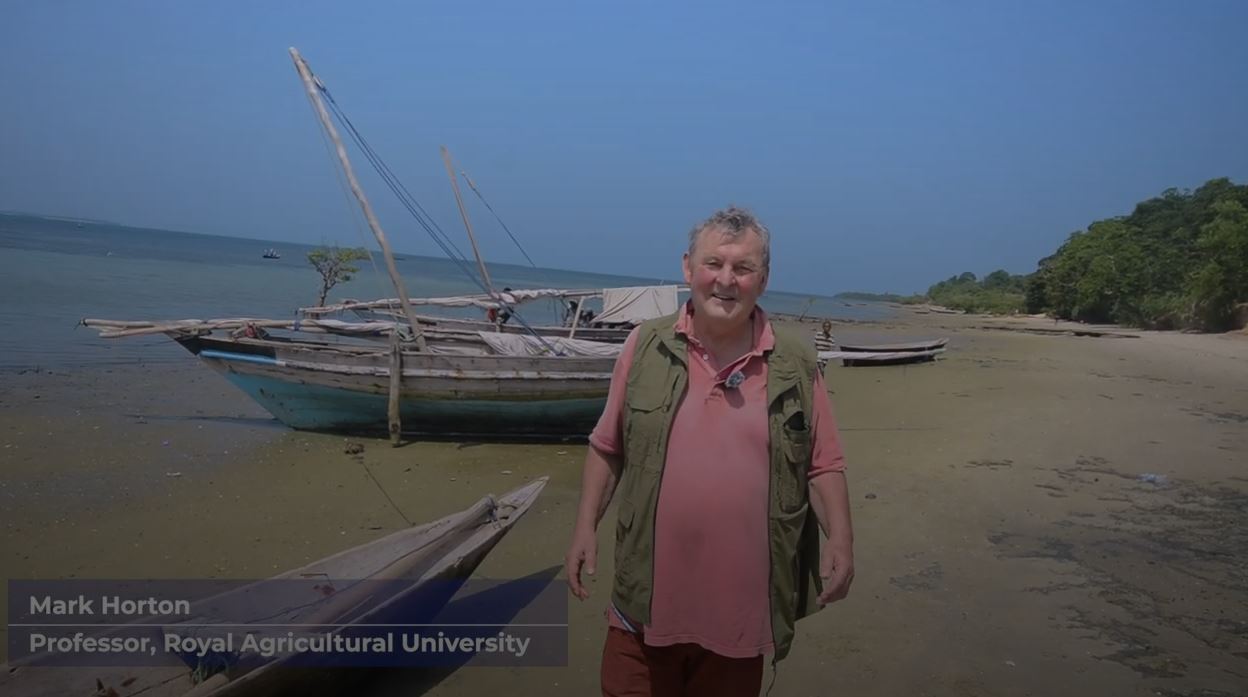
[[1032, 512]]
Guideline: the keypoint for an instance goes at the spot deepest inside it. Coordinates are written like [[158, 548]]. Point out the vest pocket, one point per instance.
[[646, 400], [626, 543], [623, 520], [797, 452], [625, 537], [797, 446], [785, 532], [646, 418]]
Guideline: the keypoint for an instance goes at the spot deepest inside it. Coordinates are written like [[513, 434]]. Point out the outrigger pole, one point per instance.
[[450, 172], [310, 84]]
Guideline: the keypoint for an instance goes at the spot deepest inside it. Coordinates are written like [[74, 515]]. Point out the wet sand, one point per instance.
[[1010, 535]]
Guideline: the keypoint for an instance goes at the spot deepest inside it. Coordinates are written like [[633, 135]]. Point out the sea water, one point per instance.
[[56, 272]]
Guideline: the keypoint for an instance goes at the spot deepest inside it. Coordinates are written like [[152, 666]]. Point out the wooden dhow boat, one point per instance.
[[444, 381], [404, 578], [459, 385]]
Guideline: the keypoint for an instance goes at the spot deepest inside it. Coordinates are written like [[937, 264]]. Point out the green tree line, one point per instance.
[[880, 297], [1000, 292], [1178, 261]]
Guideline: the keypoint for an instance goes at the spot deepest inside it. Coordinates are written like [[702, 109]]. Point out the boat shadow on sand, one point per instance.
[[461, 440], [267, 423], [505, 601]]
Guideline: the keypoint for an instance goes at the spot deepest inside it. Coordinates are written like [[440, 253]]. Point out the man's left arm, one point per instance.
[[829, 495]]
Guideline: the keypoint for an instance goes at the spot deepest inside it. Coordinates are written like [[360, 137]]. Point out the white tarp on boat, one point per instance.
[[510, 297], [485, 302], [527, 345], [636, 305]]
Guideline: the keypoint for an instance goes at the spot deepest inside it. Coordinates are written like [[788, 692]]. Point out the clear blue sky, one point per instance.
[[888, 145]]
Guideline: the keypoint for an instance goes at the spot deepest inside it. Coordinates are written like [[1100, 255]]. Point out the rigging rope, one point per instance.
[[342, 186], [391, 180], [418, 212], [473, 186]]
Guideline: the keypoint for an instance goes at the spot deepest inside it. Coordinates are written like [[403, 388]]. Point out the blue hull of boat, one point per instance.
[[319, 408]]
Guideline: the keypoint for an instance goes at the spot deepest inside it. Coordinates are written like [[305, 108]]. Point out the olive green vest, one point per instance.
[[656, 383]]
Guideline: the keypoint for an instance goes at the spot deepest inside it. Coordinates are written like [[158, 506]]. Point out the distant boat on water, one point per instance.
[[271, 254]]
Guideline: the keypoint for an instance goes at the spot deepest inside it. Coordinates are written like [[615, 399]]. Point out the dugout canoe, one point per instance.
[[404, 577]]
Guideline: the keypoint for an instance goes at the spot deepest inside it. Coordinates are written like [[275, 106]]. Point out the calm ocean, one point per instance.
[[55, 272]]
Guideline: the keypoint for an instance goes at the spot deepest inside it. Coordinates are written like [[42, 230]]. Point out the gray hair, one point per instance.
[[732, 222]]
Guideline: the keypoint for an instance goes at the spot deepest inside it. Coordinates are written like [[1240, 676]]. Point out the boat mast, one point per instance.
[[450, 171], [309, 83]]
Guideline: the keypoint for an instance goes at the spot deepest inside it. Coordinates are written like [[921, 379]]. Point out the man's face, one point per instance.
[[725, 276]]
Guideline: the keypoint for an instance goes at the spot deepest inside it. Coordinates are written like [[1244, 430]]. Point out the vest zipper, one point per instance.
[[658, 488], [771, 562]]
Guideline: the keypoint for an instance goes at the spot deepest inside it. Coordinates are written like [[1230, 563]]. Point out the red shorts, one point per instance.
[[632, 669]]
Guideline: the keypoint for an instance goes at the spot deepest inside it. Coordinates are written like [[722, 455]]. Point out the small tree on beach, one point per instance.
[[335, 266]]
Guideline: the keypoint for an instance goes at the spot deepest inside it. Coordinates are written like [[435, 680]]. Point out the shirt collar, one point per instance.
[[764, 337]]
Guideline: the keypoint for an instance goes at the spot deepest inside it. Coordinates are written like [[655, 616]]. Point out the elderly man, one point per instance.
[[720, 436]]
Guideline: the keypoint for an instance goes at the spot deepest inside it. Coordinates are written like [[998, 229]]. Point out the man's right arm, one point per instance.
[[601, 474], [604, 462]]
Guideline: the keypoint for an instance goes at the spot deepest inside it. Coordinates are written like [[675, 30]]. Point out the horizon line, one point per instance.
[[664, 281]]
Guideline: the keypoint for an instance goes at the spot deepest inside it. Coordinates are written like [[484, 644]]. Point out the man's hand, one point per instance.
[[582, 553], [836, 567], [602, 471]]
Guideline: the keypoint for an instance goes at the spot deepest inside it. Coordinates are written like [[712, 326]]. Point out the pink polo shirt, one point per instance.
[[711, 566]]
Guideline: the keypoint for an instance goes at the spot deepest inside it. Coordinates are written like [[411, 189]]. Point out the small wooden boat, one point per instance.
[[861, 358], [403, 578], [929, 345], [875, 354], [829, 349]]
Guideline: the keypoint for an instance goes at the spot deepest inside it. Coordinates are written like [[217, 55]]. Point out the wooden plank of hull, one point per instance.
[[461, 403], [448, 376], [349, 358], [605, 334], [419, 363], [615, 335]]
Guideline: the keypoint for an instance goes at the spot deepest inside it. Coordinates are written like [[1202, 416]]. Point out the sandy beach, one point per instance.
[[1036, 513]]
